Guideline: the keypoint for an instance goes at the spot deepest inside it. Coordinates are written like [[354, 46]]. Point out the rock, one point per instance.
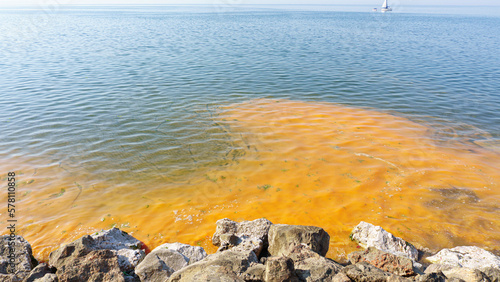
[[127, 247], [19, 253], [436, 267], [97, 265], [246, 235], [341, 277], [365, 272], [39, 271], [49, 277], [466, 274], [310, 266], [388, 262], [492, 273], [369, 235], [279, 269], [193, 253], [255, 273], [221, 266], [283, 238], [397, 278], [431, 277], [160, 264], [466, 256]]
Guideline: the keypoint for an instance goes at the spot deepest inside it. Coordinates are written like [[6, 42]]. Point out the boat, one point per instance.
[[385, 7], [374, 9]]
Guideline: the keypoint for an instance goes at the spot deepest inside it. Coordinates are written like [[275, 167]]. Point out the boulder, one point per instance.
[[388, 262], [436, 267], [466, 274], [341, 277], [160, 264], [279, 269], [192, 253], [222, 266], [466, 256], [283, 238], [365, 272], [493, 273], [97, 265], [71, 259], [255, 273], [431, 277], [49, 277], [20, 254], [369, 235], [245, 235], [310, 266], [39, 272]]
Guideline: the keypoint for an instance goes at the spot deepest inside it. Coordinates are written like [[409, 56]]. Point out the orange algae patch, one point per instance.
[[295, 163]]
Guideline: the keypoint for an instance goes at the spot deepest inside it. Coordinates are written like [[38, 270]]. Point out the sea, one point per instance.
[[160, 120]]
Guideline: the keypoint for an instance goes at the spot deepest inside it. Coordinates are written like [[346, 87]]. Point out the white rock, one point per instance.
[[466, 256], [193, 253], [369, 235]]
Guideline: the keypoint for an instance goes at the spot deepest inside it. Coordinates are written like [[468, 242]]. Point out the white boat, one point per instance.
[[385, 7]]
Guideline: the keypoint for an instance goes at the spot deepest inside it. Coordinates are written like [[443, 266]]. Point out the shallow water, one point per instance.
[[163, 121]]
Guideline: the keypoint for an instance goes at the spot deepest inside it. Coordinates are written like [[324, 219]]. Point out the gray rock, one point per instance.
[[369, 235], [436, 267], [466, 256], [127, 247], [49, 277], [283, 238], [492, 273], [431, 277], [192, 253], [97, 265], [39, 271], [21, 256], [388, 262], [397, 278], [160, 264], [365, 272], [341, 277], [279, 269], [222, 266], [466, 274], [245, 235], [310, 266], [255, 273]]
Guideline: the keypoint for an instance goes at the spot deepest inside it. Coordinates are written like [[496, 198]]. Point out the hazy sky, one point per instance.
[[232, 2]]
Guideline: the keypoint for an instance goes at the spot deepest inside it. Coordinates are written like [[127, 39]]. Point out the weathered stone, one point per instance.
[[222, 266], [127, 247], [493, 273], [436, 267], [21, 256], [98, 265], [341, 277], [193, 253], [49, 277], [283, 238], [369, 235], [431, 277], [310, 266], [255, 273], [38, 272], [397, 278], [388, 262], [279, 269], [244, 236], [466, 274], [160, 264], [466, 256], [365, 272]]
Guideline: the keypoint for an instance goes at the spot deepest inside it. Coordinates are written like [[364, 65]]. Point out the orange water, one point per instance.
[[294, 162]]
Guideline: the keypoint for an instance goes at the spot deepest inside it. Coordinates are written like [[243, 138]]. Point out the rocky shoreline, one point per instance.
[[251, 251]]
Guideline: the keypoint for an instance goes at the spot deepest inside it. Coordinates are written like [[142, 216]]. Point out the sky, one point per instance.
[[249, 2]]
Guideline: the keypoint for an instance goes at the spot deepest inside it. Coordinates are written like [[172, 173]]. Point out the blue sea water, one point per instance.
[[133, 88]]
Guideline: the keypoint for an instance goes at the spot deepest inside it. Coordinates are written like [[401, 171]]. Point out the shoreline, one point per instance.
[[255, 250]]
